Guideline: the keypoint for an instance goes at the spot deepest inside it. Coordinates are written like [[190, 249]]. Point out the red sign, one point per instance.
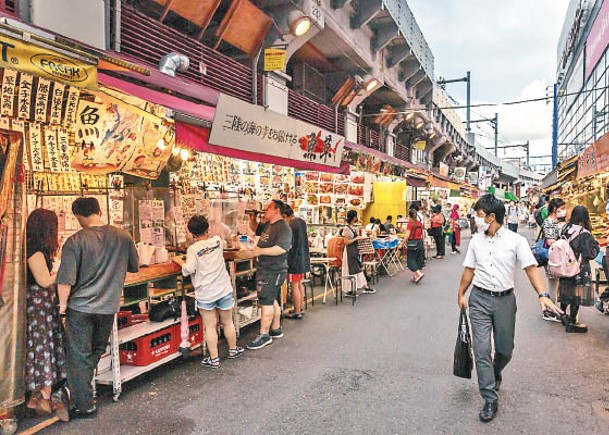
[[598, 38]]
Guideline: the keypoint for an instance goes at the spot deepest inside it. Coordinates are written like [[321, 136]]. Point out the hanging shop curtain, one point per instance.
[[416, 182], [197, 138]]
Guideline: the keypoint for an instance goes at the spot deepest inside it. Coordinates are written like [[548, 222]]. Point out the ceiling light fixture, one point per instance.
[[299, 23], [185, 154], [370, 82], [176, 151]]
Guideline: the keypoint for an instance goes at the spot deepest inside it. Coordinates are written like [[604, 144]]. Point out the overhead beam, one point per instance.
[[397, 54], [366, 11], [338, 4], [410, 68], [415, 79], [383, 35]]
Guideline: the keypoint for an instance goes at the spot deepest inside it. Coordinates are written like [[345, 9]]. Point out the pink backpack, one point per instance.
[[562, 262]]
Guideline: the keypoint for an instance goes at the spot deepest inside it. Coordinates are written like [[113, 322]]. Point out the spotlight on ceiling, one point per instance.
[[432, 134], [419, 124], [299, 23], [409, 116], [370, 82]]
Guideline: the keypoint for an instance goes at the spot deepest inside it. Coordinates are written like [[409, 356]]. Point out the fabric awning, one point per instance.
[[199, 111], [415, 181], [197, 138]]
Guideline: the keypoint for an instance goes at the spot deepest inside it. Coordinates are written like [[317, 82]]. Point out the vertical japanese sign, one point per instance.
[[57, 103], [50, 141], [42, 100], [63, 142], [9, 84], [24, 98], [35, 144], [72, 105]]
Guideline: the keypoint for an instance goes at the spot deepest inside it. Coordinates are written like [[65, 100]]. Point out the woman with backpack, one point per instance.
[[552, 226], [585, 248], [437, 231]]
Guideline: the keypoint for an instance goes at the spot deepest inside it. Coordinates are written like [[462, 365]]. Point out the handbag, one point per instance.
[[412, 245], [463, 360], [165, 310], [541, 251]]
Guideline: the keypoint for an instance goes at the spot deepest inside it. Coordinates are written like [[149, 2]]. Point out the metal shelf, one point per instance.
[[249, 321]]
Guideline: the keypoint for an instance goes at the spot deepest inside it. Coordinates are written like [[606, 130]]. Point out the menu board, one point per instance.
[[333, 190], [151, 222]]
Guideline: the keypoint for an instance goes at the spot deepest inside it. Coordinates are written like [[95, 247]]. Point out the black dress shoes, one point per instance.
[[488, 411]]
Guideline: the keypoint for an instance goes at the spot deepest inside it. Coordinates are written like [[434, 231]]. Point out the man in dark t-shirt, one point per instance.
[[299, 260], [272, 252], [94, 262]]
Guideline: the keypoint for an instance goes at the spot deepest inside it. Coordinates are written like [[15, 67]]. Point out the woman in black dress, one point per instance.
[[45, 356], [352, 264], [571, 290]]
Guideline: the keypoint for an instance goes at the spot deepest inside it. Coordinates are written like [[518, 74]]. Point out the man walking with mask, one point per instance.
[[490, 265]]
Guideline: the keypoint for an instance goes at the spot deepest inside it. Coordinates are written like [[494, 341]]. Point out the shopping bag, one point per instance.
[[540, 252], [463, 360]]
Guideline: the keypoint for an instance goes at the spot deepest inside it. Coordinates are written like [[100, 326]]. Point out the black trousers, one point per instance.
[[440, 244], [87, 338]]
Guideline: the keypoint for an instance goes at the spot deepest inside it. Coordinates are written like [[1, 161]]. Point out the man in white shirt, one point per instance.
[[490, 265], [512, 217]]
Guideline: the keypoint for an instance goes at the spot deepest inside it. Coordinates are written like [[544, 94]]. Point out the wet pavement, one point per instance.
[[383, 366]]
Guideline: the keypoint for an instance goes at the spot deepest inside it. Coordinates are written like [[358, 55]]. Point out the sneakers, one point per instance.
[[293, 315], [211, 363], [577, 327], [235, 353], [276, 333], [78, 414], [550, 316], [369, 291], [260, 341]]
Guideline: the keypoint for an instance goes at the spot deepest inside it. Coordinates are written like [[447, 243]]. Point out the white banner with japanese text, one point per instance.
[[246, 127]]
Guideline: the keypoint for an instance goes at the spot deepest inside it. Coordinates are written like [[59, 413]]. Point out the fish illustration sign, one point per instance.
[[251, 128]]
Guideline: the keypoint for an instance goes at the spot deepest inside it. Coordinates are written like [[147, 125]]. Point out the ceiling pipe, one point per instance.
[[172, 62]]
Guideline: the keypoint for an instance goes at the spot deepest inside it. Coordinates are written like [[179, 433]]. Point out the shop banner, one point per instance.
[[251, 128], [598, 38], [112, 136], [50, 142], [35, 145], [601, 151], [46, 63], [63, 142], [9, 85], [42, 100], [472, 178], [586, 163], [57, 103], [71, 106], [459, 174], [24, 97], [443, 169]]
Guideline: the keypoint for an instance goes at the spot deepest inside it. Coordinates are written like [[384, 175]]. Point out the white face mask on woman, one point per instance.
[[481, 224], [561, 214]]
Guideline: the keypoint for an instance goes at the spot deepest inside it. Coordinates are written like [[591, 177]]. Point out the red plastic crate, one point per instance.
[[150, 348], [195, 336]]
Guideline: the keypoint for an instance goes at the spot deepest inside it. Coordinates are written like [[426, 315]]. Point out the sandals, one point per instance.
[[234, 353], [420, 278], [293, 315]]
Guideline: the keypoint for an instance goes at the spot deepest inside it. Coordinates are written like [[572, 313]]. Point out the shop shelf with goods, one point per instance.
[[241, 265]]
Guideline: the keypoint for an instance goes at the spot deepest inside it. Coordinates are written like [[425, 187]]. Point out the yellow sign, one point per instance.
[[46, 63], [274, 59], [420, 145]]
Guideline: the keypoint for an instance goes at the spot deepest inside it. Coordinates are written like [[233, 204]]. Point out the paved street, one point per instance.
[[384, 367]]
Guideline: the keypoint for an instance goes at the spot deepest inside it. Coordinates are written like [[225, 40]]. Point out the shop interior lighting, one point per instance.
[[432, 134], [419, 124], [299, 23], [161, 145], [184, 154], [176, 151], [370, 82], [409, 116]]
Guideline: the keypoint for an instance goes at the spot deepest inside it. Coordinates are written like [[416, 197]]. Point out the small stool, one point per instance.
[[371, 270], [353, 286]]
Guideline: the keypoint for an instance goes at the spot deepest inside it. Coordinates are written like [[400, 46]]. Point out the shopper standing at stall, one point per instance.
[[213, 289], [437, 231], [94, 263], [455, 229], [586, 248], [271, 270], [352, 265], [299, 260], [551, 229], [512, 217], [490, 264], [45, 357], [416, 251]]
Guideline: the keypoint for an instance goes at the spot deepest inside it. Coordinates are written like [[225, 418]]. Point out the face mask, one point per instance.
[[481, 224], [561, 214]]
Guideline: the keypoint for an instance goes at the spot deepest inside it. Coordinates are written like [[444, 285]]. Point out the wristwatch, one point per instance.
[[544, 295]]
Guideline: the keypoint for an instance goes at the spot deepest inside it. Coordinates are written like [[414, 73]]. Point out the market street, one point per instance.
[[383, 366]]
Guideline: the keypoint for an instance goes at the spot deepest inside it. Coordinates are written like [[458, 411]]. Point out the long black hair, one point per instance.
[[580, 216]]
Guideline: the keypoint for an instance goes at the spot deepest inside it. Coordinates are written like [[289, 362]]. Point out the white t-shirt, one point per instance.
[[205, 262]]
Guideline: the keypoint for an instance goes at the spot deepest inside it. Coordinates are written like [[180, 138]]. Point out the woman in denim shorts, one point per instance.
[[213, 289]]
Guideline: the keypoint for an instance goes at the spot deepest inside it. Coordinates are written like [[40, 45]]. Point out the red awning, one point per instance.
[[200, 111], [197, 138], [416, 182]]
